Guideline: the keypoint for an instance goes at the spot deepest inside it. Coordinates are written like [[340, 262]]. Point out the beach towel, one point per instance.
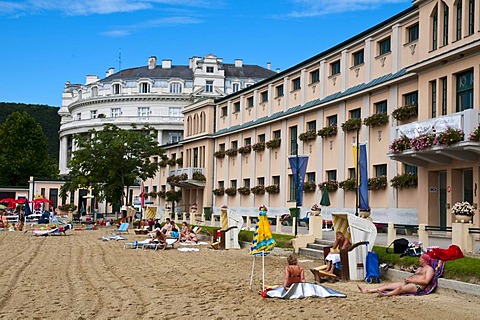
[[453, 252], [304, 290]]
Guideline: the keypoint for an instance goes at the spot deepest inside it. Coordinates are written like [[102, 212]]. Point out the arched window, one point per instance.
[[204, 121], [459, 19], [434, 20], [175, 87], [94, 92], [445, 23], [195, 124], [189, 126], [80, 94]]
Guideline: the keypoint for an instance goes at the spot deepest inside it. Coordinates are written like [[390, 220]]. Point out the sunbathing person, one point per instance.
[[334, 256], [160, 238], [167, 227], [413, 284], [293, 272]]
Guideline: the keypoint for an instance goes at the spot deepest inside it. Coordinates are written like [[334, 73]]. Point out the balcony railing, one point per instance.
[[190, 182]]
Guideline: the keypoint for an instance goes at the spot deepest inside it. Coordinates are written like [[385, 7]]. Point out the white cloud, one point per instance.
[[313, 8], [122, 31]]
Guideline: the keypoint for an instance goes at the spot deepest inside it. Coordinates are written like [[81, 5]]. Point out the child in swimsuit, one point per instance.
[[293, 272]]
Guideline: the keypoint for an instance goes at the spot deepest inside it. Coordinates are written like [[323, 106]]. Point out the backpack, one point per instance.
[[399, 245]]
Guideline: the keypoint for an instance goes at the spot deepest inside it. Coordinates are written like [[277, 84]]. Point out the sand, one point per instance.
[[79, 276]]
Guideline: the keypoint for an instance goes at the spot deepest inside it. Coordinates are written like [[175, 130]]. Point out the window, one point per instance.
[[312, 125], [221, 146], [264, 96], [143, 112], [276, 134], [276, 180], [261, 138], [116, 112], [247, 142], [221, 184], [311, 176], [380, 170], [246, 183], [236, 87], [224, 111], [433, 97], [233, 184], [412, 33], [210, 70], [331, 175], [351, 173], [116, 88], [93, 114], [260, 181], [459, 19], [358, 58], [94, 92], [79, 116], [315, 76], [174, 112], [384, 46], [234, 144], [174, 137], [471, 16], [381, 107], [296, 84], [209, 86], [444, 96], [155, 159], [445, 24], [411, 98], [236, 107], [195, 157], [335, 68], [435, 29], [355, 113], [250, 102], [279, 90], [175, 87], [154, 189], [144, 87], [293, 140], [332, 120], [410, 169], [465, 90]]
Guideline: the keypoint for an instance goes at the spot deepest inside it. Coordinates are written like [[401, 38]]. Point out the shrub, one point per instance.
[[307, 136], [377, 183], [274, 188], [244, 191], [348, 185], [353, 124], [406, 180], [405, 112], [231, 191], [173, 195], [258, 189], [260, 146], [272, 144], [379, 119], [328, 131], [330, 185], [309, 186]]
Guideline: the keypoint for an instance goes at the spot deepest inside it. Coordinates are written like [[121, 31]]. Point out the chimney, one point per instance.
[[269, 65], [166, 64], [238, 63], [278, 70], [152, 62], [110, 72], [91, 79]]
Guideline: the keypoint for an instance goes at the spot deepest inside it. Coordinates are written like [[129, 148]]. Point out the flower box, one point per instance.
[[219, 154], [309, 186], [463, 211], [197, 175], [399, 145], [172, 162], [245, 191], [180, 161], [330, 185], [231, 152], [152, 194], [163, 163], [316, 207], [219, 191], [422, 142], [348, 185], [405, 112], [475, 135], [449, 137], [308, 136], [274, 188], [406, 180], [245, 149], [328, 131], [272, 144], [258, 190], [231, 191], [377, 183], [260, 146], [376, 120], [352, 125], [161, 194]]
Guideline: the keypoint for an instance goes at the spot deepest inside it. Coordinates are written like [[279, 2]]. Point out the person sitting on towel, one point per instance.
[[186, 234], [293, 272], [160, 238], [413, 284], [334, 256]]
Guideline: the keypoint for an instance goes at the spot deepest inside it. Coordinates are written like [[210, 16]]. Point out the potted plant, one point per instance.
[[348, 185], [307, 136], [219, 154], [475, 135], [309, 186], [399, 145], [449, 137], [245, 191], [180, 161], [353, 124], [328, 131], [152, 194], [161, 194], [274, 188], [197, 175], [377, 183], [405, 112], [231, 191], [330, 185], [316, 209], [260, 146], [272, 144], [231, 152], [219, 191], [405, 180], [260, 189], [422, 142], [463, 211], [376, 120], [245, 149]]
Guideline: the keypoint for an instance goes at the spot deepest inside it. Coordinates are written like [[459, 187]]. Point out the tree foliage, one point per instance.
[[24, 152], [110, 159]]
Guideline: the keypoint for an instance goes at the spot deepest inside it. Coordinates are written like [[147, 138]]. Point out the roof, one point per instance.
[[247, 71]]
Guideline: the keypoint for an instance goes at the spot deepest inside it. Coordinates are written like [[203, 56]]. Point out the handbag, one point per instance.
[[399, 246]]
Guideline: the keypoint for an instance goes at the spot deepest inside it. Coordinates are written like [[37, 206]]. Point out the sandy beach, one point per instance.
[[79, 276]]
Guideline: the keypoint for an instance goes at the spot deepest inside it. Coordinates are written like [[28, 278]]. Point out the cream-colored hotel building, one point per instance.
[[420, 68]]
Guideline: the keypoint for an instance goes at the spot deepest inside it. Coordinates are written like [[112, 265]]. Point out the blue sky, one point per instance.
[[48, 42]]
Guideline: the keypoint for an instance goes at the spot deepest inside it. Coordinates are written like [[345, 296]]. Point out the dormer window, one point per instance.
[[209, 86], [210, 69], [175, 87], [144, 87], [236, 87], [116, 88], [94, 92]]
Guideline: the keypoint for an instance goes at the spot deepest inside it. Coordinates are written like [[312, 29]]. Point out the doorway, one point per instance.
[[442, 198]]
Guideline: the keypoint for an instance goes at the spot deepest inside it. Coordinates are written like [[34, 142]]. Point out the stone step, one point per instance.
[[308, 252], [317, 246], [323, 242]]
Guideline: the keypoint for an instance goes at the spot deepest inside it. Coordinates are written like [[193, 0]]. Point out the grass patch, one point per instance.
[[283, 240], [466, 269]]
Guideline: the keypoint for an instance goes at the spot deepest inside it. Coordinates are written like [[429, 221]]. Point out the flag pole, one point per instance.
[[357, 181]]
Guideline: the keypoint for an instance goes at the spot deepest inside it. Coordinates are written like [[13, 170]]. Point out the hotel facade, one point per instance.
[[414, 77]]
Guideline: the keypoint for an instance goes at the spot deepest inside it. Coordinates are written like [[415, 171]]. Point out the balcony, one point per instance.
[[193, 178], [465, 150]]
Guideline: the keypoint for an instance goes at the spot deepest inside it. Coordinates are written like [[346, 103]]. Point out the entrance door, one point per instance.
[[442, 198]]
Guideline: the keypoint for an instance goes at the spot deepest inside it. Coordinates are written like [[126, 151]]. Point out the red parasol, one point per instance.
[[41, 200]]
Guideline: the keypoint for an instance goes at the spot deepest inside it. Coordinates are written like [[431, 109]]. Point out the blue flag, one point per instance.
[[27, 208], [363, 187], [299, 168]]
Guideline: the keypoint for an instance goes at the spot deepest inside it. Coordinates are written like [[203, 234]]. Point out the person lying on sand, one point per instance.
[[413, 284]]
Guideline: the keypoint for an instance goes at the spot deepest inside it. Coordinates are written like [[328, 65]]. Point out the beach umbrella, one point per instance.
[[325, 201], [41, 200], [263, 242], [28, 211]]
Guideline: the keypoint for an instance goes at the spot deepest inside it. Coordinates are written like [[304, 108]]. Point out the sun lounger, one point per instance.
[[123, 228], [114, 237]]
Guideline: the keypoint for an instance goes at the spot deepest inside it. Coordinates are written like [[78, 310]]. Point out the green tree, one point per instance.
[[23, 151], [108, 160]]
